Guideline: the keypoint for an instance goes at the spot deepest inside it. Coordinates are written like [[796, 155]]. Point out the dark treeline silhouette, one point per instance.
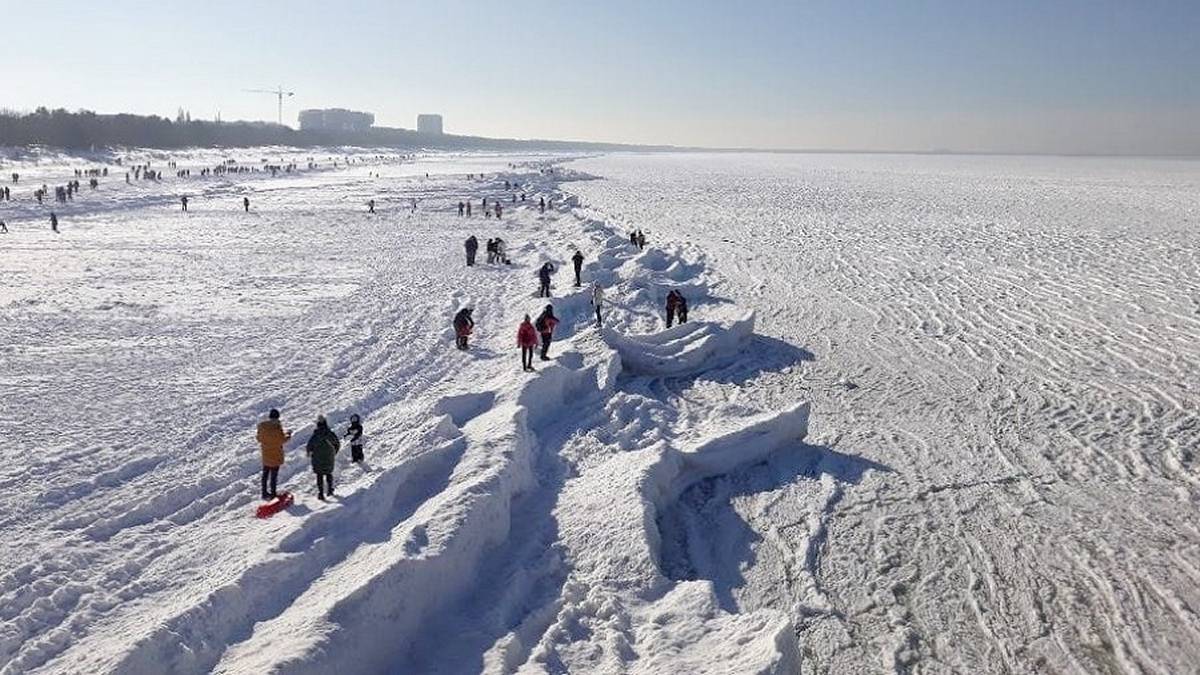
[[85, 129]]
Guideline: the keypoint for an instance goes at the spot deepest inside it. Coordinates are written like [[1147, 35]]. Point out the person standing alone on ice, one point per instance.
[[271, 438], [472, 245], [246, 204], [577, 260], [597, 301], [545, 324], [183, 200], [355, 433], [544, 280], [322, 447], [463, 325], [676, 305], [527, 339]]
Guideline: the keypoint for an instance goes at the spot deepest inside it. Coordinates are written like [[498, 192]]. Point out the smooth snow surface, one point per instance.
[[930, 415]]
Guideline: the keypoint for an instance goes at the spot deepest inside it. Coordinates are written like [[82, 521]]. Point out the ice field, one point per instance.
[[930, 414], [1016, 341]]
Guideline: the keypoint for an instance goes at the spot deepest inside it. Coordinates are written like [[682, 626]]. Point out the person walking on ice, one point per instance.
[[527, 339], [271, 438], [577, 260], [321, 448], [355, 433], [371, 206], [597, 301], [53, 221], [471, 245], [246, 204], [463, 325], [544, 280], [676, 305], [545, 324], [183, 201]]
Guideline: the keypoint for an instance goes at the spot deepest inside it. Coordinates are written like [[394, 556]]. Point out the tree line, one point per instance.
[[84, 129]]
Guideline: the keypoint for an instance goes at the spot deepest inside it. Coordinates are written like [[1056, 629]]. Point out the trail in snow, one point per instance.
[[504, 522]]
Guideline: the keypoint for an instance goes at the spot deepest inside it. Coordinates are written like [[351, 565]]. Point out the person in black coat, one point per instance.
[[544, 280], [472, 245], [577, 261], [355, 433], [463, 325]]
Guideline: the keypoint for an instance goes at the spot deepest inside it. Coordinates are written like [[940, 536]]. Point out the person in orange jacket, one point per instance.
[[271, 438], [527, 339]]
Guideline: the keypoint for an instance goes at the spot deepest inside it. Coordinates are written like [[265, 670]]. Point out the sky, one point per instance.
[[1094, 77]]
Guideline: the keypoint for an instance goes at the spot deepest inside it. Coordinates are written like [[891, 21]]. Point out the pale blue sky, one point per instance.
[[1099, 76]]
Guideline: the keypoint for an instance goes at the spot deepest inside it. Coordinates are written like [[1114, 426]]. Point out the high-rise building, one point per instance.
[[429, 124], [335, 119]]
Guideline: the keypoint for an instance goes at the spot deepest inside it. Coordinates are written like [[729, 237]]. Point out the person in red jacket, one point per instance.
[[463, 326], [545, 324], [527, 339]]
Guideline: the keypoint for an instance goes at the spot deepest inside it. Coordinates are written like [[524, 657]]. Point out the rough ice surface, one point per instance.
[[1002, 474], [930, 414]]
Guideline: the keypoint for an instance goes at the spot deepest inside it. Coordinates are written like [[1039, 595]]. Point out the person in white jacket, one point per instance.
[[597, 301]]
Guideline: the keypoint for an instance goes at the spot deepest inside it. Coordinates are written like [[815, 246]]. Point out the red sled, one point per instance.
[[282, 501]]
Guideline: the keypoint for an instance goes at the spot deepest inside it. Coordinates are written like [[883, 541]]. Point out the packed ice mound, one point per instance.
[[618, 597], [428, 561], [682, 349]]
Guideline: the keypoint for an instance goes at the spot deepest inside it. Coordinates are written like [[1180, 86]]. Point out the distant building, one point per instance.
[[335, 119], [429, 124]]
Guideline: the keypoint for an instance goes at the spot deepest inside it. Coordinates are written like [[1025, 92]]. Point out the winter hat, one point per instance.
[[274, 414], [321, 421]]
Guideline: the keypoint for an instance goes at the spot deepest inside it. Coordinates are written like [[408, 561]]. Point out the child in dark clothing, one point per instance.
[[355, 433]]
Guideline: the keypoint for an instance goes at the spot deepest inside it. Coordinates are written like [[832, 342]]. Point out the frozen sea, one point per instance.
[[1017, 339], [929, 414]]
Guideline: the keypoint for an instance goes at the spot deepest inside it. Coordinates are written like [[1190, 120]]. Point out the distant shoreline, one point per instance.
[[88, 131]]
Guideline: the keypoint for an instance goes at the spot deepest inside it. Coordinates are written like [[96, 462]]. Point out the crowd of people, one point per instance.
[[529, 330], [324, 444], [143, 171]]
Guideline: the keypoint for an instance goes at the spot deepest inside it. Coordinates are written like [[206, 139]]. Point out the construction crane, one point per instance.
[[277, 92]]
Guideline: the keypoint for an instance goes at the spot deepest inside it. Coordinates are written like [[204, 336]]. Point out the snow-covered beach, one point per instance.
[[930, 414]]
